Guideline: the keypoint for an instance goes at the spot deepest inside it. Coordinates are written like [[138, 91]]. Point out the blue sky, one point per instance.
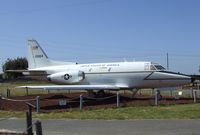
[[104, 30]]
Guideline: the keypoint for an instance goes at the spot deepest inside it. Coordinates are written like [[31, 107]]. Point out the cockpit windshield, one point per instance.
[[156, 67], [159, 67]]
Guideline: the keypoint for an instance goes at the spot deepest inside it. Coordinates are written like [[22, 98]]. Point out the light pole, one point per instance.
[[167, 61], [199, 69]]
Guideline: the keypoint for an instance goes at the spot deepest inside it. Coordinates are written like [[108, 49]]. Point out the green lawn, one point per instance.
[[187, 111]]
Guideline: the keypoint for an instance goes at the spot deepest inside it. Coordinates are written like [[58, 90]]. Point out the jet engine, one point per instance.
[[67, 77]]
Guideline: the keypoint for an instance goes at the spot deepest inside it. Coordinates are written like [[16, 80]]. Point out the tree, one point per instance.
[[14, 64]]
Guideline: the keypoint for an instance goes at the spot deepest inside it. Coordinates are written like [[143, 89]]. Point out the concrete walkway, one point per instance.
[[110, 127]]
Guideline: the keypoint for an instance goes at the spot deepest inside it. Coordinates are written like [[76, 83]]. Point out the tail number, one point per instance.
[[38, 56]]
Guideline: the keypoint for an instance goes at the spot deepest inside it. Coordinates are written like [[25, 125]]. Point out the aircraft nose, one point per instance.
[[172, 77], [179, 76]]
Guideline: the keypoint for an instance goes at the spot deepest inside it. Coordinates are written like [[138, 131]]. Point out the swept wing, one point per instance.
[[73, 87]]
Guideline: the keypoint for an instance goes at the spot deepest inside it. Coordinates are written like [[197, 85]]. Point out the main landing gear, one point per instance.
[[98, 94]]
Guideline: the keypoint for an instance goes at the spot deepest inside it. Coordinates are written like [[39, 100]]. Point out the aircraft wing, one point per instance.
[[73, 87]]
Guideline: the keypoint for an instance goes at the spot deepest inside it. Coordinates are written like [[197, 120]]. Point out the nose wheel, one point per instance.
[[158, 94]]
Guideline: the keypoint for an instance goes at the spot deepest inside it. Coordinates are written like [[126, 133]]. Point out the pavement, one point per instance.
[[109, 127]]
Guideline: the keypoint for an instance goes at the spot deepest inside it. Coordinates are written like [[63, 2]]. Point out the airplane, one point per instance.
[[97, 76]]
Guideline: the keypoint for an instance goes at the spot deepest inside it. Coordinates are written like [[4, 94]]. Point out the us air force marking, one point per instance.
[[67, 76]]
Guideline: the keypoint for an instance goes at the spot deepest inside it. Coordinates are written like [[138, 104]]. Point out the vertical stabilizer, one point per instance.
[[36, 56]]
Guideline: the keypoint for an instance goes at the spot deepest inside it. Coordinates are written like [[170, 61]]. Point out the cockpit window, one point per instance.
[[152, 67], [159, 67]]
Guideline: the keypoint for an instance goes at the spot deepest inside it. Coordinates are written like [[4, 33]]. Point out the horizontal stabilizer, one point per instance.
[[29, 72], [16, 71]]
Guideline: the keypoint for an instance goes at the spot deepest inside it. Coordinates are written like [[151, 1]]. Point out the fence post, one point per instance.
[[194, 96], [192, 93], [0, 101], [28, 124], [38, 104], [29, 120], [7, 93], [156, 98], [26, 91], [81, 102], [38, 128], [118, 98], [171, 94]]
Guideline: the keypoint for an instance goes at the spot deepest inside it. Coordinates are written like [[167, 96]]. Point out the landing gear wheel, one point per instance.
[[101, 93]]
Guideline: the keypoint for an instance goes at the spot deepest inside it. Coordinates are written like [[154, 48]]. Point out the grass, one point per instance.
[[187, 111], [191, 111]]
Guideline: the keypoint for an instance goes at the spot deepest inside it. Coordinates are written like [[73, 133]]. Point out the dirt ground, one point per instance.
[[50, 102]]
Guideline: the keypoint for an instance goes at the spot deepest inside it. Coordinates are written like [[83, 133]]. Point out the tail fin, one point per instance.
[[36, 56]]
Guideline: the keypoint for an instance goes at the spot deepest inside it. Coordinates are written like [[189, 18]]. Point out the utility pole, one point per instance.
[[167, 61], [199, 69]]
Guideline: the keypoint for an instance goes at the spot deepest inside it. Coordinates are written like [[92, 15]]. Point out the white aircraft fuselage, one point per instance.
[[118, 75], [122, 74]]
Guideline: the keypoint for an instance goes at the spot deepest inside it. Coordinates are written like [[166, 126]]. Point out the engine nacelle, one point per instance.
[[67, 77]]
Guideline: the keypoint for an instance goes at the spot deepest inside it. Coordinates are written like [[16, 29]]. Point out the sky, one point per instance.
[[87, 31]]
